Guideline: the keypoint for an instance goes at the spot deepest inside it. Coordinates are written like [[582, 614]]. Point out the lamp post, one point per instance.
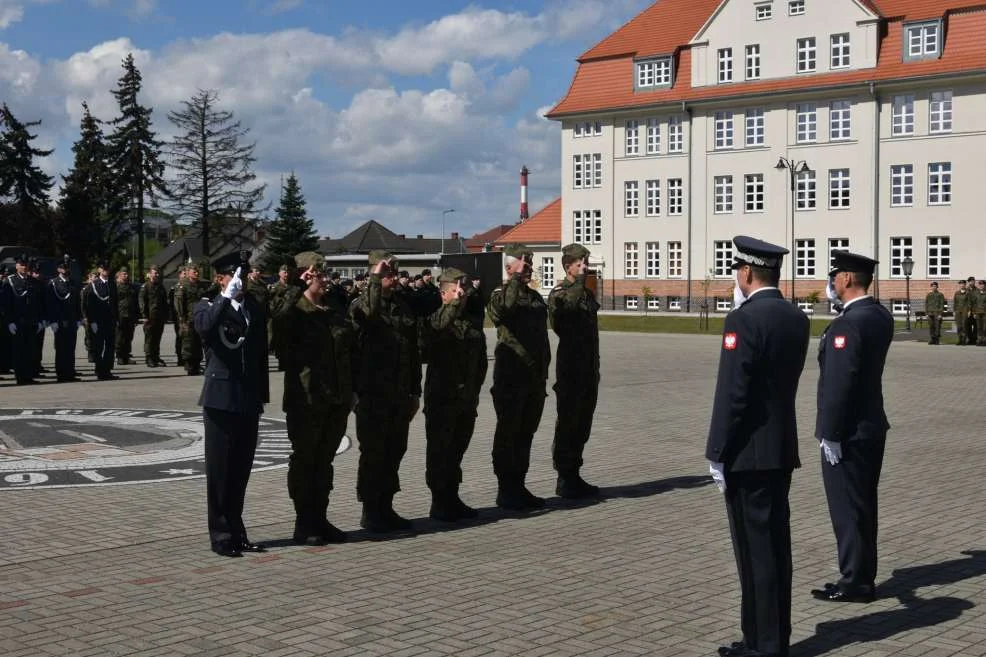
[[794, 168], [444, 212], [907, 264]]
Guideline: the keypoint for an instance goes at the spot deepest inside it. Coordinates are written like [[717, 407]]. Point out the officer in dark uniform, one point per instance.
[[24, 308], [852, 425], [64, 317], [520, 373], [101, 305], [234, 331], [40, 290], [572, 308], [154, 315], [753, 441], [5, 348]]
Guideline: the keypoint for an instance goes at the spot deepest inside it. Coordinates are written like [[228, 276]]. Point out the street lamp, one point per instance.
[[794, 168], [907, 264], [444, 212]]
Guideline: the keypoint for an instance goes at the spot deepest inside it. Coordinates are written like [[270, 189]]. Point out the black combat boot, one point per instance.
[[514, 496], [396, 521], [305, 531], [443, 507], [329, 532], [464, 511], [372, 519], [571, 486]]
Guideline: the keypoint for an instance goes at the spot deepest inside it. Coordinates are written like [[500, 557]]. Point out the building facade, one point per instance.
[[542, 234], [816, 124]]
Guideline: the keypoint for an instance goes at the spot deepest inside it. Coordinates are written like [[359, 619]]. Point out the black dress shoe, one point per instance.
[[243, 545], [226, 549], [108, 377], [835, 593]]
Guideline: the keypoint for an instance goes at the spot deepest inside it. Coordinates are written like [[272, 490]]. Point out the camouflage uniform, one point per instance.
[[934, 306], [154, 312], [186, 299], [275, 298], [127, 315], [979, 311], [173, 292], [961, 305]]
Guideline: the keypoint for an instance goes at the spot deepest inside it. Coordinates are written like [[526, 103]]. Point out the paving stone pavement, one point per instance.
[[126, 570]]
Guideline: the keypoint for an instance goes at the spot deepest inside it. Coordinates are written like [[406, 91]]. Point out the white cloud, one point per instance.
[[143, 8], [283, 6]]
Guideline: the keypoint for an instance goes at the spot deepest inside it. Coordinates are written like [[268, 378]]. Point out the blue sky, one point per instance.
[[386, 109]]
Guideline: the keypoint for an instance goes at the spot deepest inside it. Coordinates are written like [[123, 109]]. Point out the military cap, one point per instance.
[[852, 262], [22, 259], [379, 255], [63, 264], [310, 259], [751, 251], [284, 268], [426, 272], [227, 264], [575, 251], [403, 274], [418, 277], [359, 278], [451, 275], [335, 276], [102, 264], [518, 251], [347, 282], [123, 270], [934, 283]]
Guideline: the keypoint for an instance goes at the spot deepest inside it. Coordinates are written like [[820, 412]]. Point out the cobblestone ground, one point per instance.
[[126, 570]]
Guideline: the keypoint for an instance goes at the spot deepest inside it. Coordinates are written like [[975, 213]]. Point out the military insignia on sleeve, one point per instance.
[[839, 342], [729, 342]]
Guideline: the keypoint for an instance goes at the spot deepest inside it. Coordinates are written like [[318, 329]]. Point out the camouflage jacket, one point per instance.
[[934, 302], [520, 316], [458, 365], [961, 302], [127, 309], [153, 302], [572, 308], [187, 297]]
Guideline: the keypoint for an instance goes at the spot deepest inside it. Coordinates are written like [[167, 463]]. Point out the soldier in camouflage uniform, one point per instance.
[[971, 329], [934, 306], [961, 305], [187, 297], [572, 308], [979, 311], [154, 313], [173, 293], [255, 288], [126, 318], [275, 297], [520, 372], [455, 378], [388, 385], [318, 394]]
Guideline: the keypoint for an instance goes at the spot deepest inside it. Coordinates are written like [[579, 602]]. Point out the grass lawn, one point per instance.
[[672, 324]]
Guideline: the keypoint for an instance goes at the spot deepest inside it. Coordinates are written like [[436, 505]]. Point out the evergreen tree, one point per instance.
[[134, 158], [291, 232], [23, 184], [213, 169]]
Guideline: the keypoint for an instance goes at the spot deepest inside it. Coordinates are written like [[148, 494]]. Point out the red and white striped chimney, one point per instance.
[[523, 194]]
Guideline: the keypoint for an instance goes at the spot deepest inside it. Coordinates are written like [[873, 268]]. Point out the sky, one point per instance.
[[393, 110]]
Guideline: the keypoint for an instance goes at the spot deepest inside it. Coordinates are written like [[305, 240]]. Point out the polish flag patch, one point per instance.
[[729, 342], [839, 342]]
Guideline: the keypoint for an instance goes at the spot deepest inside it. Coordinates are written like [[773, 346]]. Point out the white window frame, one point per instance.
[[722, 258], [940, 112], [901, 185], [631, 260], [654, 303], [940, 183], [902, 115], [755, 193], [652, 260], [756, 127], [725, 68], [940, 256], [676, 265], [674, 304], [806, 190], [588, 226], [723, 129], [898, 306], [840, 120], [922, 40], [723, 194], [547, 272], [836, 244], [796, 7], [653, 136], [653, 191], [807, 55], [597, 170], [676, 135], [840, 189], [805, 306], [753, 61], [806, 122], [652, 73], [587, 129], [631, 303], [764, 11], [676, 197], [840, 54], [578, 171], [587, 170], [631, 199], [723, 305], [900, 247], [632, 141], [805, 261]]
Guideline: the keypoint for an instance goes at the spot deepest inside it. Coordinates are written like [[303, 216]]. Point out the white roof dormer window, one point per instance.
[[795, 7], [923, 40], [764, 11], [653, 73]]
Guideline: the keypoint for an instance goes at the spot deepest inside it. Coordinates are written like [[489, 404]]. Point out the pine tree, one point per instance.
[[292, 232], [23, 183], [134, 158], [214, 171]]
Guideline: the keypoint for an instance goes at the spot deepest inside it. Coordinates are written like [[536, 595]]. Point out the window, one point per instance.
[[805, 190], [806, 55], [722, 258], [836, 244], [633, 139], [587, 170], [588, 226], [653, 303], [597, 170], [753, 62], [838, 189], [840, 51], [588, 129], [939, 256], [765, 11], [923, 40], [902, 115], [804, 258], [631, 303], [755, 135], [631, 260], [725, 65], [675, 267], [900, 248], [631, 197], [653, 254], [653, 198], [840, 124], [940, 183], [806, 306], [723, 194], [654, 73], [723, 305], [901, 185], [547, 272], [795, 7], [941, 112], [898, 306], [754, 192], [674, 303], [807, 119], [653, 136], [724, 129], [676, 135], [675, 196]]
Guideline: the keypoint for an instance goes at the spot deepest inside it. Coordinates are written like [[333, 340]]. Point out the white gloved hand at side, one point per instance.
[[12, 328], [235, 285], [41, 327], [718, 472], [94, 326], [54, 327], [832, 451]]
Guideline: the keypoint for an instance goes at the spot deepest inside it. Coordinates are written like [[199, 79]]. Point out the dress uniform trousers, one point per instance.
[[230, 444], [448, 428], [153, 330], [576, 407], [851, 489], [39, 348], [102, 348], [65, 341], [760, 525], [315, 433], [5, 347], [381, 427], [23, 350], [518, 403]]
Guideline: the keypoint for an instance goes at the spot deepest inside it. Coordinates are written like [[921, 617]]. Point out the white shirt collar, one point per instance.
[[759, 289], [849, 303], [236, 304]]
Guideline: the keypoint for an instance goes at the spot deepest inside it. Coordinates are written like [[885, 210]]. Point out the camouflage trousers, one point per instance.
[[576, 406], [381, 429], [961, 325], [191, 347], [315, 434], [519, 404], [124, 339], [448, 430], [153, 330]]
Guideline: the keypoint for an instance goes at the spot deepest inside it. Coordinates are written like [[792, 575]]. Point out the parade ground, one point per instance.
[[104, 549]]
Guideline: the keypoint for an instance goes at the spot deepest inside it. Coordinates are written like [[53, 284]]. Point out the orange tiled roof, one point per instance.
[[543, 228], [608, 83], [660, 29]]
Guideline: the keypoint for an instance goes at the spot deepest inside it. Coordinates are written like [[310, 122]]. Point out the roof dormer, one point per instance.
[[923, 40]]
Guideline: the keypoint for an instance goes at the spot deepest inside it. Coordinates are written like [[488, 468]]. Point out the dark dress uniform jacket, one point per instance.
[[765, 342], [236, 378], [851, 356]]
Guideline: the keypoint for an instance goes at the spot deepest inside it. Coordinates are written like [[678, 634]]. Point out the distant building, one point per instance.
[[542, 234], [484, 241], [230, 238], [348, 254]]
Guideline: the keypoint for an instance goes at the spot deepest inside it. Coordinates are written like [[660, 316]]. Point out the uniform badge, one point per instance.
[[839, 342], [729, 342]]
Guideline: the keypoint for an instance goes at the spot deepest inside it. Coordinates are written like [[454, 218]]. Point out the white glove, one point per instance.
[[235, 285], [41, 327], [12, 328], [718, 472], [833, 451], [54, 327], [94, 326], [78, 324]]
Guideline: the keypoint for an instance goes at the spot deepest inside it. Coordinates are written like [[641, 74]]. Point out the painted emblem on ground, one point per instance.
[[45, 448]]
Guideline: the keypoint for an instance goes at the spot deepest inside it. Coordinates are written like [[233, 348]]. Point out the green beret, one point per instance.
[[575, 251], [310, 259], [451, 275], [518, 251], [379, 255]]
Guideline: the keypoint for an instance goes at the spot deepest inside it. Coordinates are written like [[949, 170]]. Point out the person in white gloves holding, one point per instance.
[[851, 425], [753, 442]]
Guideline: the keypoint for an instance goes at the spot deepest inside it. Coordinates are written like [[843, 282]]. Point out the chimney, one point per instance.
[[421, 237], [402, 236], [523, 193], [455, 236]]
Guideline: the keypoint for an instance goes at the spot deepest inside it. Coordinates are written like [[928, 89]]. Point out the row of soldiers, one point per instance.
[[969, 308]]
